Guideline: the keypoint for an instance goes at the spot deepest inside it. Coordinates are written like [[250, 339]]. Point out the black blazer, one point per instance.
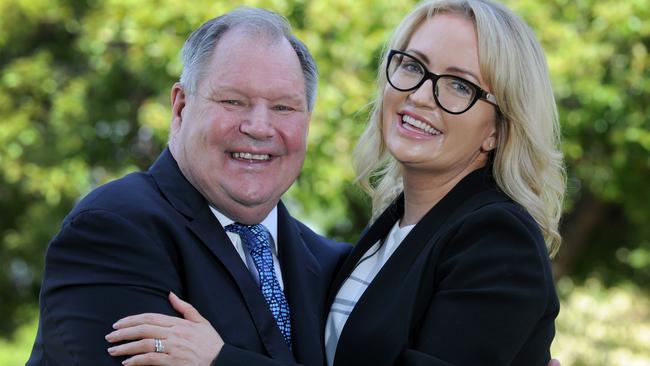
[[470, 285], [128, 243]]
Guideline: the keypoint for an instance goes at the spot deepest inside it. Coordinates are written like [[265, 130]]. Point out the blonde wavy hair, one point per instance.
[[528, 165]]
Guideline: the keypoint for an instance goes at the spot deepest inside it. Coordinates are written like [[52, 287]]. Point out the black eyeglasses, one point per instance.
[[453, 94]]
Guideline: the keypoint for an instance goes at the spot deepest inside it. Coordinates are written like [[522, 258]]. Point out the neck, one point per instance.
[[423, 190]]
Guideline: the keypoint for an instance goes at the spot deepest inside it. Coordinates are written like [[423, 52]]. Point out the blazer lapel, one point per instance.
[[201, 221], [300, 271], [474, 183], [376, 231], [208, 229], [458, 202]]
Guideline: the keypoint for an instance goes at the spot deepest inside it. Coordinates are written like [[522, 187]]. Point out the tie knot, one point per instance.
[[254, 236]]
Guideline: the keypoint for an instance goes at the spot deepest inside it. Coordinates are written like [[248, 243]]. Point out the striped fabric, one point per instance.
[[355, 285]]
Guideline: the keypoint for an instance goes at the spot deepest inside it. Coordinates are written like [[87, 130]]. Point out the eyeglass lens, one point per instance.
[[452, 93]]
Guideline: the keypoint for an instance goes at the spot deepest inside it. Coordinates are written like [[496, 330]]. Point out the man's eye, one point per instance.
[[232, 102], [283, 108]]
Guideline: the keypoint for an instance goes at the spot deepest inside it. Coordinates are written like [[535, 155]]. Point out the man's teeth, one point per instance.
[[419, 124], [249, 156]]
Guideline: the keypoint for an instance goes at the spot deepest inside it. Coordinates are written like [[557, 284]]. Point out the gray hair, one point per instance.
[[200, 44]]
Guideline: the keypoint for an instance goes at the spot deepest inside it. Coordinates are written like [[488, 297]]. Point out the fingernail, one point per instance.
[[172, 293], [111, 350], [116, 324], [109, 336], [126, 362]]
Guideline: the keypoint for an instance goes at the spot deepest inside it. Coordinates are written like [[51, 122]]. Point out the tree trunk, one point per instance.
[[588, 213]]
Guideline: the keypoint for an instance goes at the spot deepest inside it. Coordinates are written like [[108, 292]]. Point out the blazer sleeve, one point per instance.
[[493, 287], [98, 269]]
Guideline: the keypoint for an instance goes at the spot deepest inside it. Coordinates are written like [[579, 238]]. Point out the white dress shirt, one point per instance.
[[271, 224]]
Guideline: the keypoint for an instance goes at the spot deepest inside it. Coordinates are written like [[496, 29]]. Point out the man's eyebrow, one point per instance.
[[291, 97]]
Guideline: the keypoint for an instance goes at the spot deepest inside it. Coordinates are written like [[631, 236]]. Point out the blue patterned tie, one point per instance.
[[257, 241]]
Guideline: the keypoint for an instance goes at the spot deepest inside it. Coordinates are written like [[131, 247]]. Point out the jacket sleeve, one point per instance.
[[98, 269], [234, 356], [493, 290]]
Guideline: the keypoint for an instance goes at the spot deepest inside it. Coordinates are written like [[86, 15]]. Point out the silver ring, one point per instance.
[[158, 345]]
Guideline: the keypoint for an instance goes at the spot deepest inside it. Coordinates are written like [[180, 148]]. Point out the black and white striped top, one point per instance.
[[355, 285]]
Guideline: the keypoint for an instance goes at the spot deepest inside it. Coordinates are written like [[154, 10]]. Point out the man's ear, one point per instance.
[[178, 99]]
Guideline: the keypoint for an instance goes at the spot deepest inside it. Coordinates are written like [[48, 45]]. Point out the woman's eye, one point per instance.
[[461, 87], [412, 67]]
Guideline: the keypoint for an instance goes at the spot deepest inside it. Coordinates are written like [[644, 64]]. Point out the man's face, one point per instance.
[[241, 137]]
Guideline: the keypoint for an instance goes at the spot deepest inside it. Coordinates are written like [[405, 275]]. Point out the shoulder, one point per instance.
[[499, 228], [504, 222], [131, 196], [126, 215], [320, 245], [501, 238]]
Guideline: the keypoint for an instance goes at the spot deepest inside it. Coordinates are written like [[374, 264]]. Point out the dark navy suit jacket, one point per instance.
[[128, 243], [470, 285]]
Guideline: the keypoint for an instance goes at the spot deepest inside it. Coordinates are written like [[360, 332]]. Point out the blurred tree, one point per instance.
[[598, 55], [84, 98]]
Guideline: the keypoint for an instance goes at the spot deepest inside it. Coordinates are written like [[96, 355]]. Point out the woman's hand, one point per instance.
[[188, 341]]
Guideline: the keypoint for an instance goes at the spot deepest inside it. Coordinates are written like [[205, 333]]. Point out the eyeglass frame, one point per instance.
[[428, 75]]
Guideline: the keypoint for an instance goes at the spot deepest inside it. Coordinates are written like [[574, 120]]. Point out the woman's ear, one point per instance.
[[490, 143]]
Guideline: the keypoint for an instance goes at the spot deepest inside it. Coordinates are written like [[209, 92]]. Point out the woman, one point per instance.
[[461, 159], [463, 147]]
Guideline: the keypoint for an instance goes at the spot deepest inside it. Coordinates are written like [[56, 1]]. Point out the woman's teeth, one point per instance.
[[420, 125]]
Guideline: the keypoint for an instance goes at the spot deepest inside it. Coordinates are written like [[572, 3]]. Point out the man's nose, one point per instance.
[[258, 123]]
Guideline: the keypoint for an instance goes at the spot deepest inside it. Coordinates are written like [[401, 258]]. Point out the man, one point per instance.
[[237, 142]]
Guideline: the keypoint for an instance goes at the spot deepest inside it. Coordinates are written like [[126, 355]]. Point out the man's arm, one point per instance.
[[99, 268]]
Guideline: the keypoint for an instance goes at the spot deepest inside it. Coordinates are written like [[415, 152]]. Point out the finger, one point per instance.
[[554, 362], [137, 332], [134, 348], [188, 311], [146, 318], [152, 358]]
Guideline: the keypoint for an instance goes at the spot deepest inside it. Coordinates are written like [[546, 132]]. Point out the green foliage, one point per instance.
[[16, 351], [598, 56], [84, 98], [601, 326]]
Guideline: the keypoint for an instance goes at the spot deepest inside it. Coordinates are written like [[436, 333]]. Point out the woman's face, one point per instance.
[[416, 131]]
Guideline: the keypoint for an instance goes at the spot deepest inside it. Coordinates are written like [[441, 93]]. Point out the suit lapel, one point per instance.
[[300, 271], [473, 191], [376, 231], [474, 183], [208, 229], [201, 221]]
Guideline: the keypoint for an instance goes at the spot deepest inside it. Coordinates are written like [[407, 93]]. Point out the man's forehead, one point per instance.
[[250, 64], [242, 50], [268, 91]]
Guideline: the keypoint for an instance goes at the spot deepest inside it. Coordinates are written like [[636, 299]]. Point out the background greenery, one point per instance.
[[84, 98]]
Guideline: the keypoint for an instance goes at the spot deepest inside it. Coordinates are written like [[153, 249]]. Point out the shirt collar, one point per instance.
[[270, 222]]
